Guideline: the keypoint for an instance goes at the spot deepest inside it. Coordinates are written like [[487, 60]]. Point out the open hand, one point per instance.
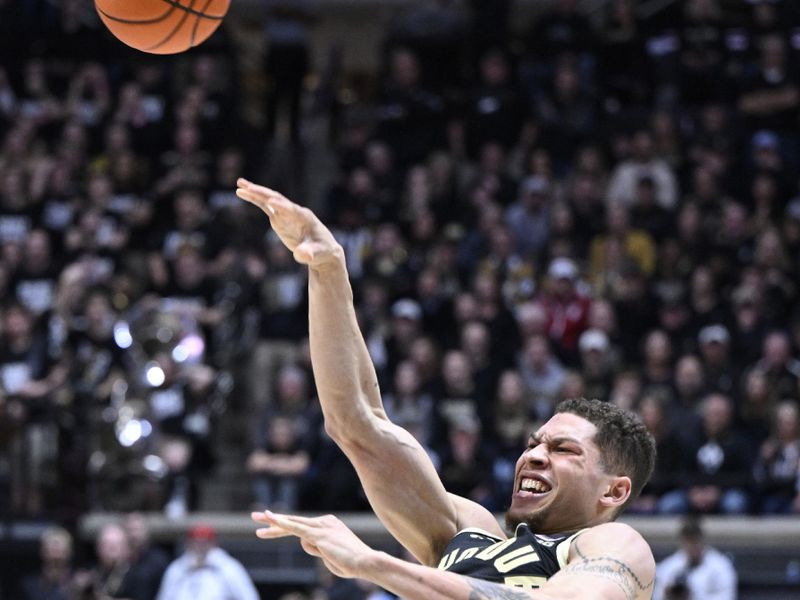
[[299, 229], [326, 537]]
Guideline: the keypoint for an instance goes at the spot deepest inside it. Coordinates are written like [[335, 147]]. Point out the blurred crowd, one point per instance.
[[603, 207]]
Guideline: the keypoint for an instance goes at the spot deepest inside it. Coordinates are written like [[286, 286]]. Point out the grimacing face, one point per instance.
[[560, 484]]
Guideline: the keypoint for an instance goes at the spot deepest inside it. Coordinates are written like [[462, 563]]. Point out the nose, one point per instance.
[[537, 455]]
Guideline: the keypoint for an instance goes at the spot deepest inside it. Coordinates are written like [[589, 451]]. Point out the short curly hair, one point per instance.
[[626, 447]]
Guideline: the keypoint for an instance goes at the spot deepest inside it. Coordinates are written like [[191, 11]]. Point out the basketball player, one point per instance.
[[579, 471]]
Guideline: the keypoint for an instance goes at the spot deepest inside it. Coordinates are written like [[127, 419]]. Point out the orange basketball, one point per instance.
[[162, 26]]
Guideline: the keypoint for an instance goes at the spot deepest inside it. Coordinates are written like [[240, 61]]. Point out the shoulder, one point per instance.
[[471, 515], [616, 542]]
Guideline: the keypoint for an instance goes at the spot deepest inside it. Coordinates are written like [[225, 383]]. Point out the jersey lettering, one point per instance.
[[517, 558], [468, 553], [526, 560], [495, 549]]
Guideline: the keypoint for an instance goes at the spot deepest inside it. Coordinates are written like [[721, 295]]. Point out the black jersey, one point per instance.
[[526, 560]]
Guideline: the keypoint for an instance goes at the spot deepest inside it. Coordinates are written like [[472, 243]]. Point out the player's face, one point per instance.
[[559, 478]]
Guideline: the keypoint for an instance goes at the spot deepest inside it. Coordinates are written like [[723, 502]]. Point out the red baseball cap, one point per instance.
[[202, 531]]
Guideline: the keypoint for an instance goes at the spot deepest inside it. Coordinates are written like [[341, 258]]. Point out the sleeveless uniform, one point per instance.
[[526, 560]]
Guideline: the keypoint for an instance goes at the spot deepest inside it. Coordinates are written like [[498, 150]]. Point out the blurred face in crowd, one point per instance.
[[457, 372], [715, 352], [787, 422], [112, 546], [657, 348], [475, 339], [643, 146], [602, 317], [689, 378], [291, 384], [537, 352], [651, 412], [281, 433], [716, 412], [531, 319], [777, 349], [406, 379], [494, 69], [511, 390], [404, 68], [773, 53], [137, 530], [56, 548], [425, 356], [37, 250]]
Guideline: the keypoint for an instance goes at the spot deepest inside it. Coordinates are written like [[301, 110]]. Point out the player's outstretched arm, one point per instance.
[[600, 568], [398, 477]]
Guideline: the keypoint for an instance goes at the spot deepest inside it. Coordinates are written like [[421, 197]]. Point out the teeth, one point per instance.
[[534, 485]]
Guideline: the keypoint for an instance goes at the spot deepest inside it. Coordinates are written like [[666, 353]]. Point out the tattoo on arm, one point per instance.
[[484, 590], [610, 568]]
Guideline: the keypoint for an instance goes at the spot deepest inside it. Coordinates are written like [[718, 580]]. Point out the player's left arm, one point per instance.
[[612, 560], [607, 562]]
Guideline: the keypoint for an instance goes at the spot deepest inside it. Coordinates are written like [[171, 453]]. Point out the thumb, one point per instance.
[[306, 252]]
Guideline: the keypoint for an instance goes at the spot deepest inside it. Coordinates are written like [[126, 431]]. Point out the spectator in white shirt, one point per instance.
[[696, 571], [206, 572]]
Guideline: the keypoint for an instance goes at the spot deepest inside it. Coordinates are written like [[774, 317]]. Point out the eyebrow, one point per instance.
[[553, 441]]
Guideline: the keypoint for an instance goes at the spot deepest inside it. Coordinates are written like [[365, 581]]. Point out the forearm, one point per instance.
[[345, 377], [416, 582]]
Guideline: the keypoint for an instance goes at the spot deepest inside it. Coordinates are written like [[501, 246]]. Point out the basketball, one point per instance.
[[162, 26]]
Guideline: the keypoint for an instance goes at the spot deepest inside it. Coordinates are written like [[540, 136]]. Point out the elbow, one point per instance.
[[354, 431], [342, 432]]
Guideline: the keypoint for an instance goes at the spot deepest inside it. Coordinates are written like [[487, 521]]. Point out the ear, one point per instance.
[[617, 493]]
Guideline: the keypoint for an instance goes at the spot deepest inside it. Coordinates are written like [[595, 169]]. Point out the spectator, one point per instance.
[[277, 466], [657, 370], [720, 373], [769, 97], [466, 462], [567, 308], [597, 366], [697, 570], [494, 109], [53, 581], [780, 367], [719, 476], [622, 68], [609, 250], [777, 468], [657, 495], [148, 561], [110, 577], [409, 116], [643, 163], [542, 373], [528, 218], [206, 571], [407, 401]]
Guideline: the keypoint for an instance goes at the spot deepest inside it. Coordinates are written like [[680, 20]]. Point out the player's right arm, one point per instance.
[[400, 481]]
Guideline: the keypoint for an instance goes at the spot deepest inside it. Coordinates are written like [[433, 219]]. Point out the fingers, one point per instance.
[[273, 533], [282, 525], [255, 198], [262, 196]]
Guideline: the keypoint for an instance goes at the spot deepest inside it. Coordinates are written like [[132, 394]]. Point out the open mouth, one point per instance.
[[534, 486]]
